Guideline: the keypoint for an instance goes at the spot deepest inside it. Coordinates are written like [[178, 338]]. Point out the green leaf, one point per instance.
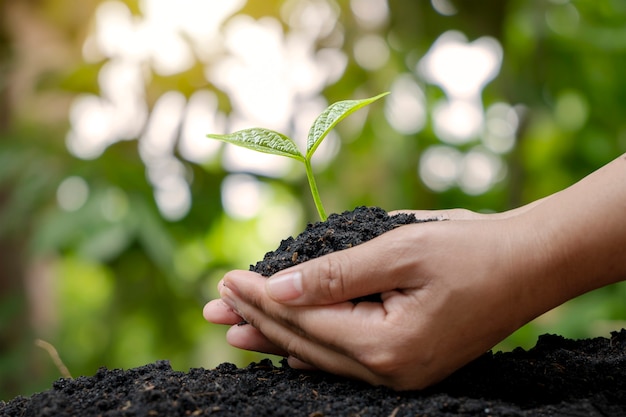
[[335, 113], [262, 140]]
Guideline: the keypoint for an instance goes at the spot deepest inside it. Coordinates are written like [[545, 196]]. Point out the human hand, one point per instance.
[[447, 288], [249, 338], [450, 289]]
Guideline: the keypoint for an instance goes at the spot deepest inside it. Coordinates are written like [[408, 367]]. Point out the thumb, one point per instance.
[[340, 276]]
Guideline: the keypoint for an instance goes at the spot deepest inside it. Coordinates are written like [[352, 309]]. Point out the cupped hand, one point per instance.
[[450, 291], [249, 338]]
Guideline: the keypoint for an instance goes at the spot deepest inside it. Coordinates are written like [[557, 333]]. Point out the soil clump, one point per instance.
[[338, 232]]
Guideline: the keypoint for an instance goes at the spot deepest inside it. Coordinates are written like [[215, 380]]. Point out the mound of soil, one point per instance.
[[338, 232], [558, 377]]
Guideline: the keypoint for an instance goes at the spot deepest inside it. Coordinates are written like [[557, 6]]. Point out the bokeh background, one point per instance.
[[118, 217]]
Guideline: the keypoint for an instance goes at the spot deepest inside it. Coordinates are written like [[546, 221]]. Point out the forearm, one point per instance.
[[583, 232]]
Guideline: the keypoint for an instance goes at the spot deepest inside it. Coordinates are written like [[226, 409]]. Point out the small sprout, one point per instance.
[[269, 141]]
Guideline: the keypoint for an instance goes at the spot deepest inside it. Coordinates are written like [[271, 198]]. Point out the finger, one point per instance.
[[350, 273], [216, 311], [296, 363], [302, 350], [354, 351], [343, 327], [445, 214], [249, 338], [423, 214]]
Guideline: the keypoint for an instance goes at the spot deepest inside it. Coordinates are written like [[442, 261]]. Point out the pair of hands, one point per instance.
[[450, 291]]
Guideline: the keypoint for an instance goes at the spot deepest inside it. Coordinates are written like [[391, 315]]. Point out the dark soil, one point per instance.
[[558, 377], [338, 232]]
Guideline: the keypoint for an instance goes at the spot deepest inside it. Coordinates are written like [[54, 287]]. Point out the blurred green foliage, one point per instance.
[[112, 283]]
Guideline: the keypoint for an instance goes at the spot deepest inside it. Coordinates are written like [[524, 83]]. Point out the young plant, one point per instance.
[[269, 141]]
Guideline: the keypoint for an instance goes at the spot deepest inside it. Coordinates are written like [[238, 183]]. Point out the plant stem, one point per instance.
[[314, 192]]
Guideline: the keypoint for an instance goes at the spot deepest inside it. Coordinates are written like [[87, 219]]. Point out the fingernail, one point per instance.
[[285, 287], [225, 295]]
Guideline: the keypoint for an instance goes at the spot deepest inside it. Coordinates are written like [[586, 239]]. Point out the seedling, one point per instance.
[[269, 141]]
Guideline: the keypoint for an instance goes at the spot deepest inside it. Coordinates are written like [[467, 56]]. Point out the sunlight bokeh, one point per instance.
[[462, 69], [72, 193], [267, 73], [274, 78], [370, 14], [444, 7], [405, 108], [242, 196], [201, 116]]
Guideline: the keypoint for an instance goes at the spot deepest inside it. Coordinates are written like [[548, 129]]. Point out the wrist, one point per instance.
[[527, 267]]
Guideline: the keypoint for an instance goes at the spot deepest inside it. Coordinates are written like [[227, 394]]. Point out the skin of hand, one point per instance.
[[450, 289]]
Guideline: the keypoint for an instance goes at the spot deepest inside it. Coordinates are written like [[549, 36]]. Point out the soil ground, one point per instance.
[[558, 377]]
